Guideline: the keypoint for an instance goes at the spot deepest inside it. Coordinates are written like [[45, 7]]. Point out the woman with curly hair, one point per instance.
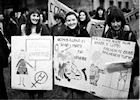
[[118, 29]]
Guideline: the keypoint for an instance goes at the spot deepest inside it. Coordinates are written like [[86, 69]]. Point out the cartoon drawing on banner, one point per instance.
[[71, 72], [84, 72], [40, 78], [67, 68], [122, 80], [95, 74], [94, 69], [22, 67]]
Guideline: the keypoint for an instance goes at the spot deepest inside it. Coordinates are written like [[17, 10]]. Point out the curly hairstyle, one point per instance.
[[29, 23], [115, 13]]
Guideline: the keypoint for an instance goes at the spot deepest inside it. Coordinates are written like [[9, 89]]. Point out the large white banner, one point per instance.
[[54, 6], [31, 67], [71, 62], [115, 83], [79, 62]]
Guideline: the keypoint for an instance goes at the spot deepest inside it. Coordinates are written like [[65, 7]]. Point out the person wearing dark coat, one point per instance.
[[116, 28], [12, 27], [73, 30], [59, 28], [84, 19], [4, 54], [100, 14]]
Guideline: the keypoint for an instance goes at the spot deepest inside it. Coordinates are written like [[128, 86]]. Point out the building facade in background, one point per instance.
[[89, 5]]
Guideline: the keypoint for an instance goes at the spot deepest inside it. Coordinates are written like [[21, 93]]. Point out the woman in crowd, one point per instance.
[[10, 26], [73, 27], [73, 30], [118, 29], [100, 14], [84, 19], [23, 18], [33, 27], [110, 9], [59, 28]]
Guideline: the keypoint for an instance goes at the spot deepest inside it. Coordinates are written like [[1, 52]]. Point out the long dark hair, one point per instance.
[[97, 14], [87, 16], [29, 23]]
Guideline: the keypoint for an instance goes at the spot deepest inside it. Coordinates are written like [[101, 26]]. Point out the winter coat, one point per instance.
[[126, 35], [58, 30], [77, 32]]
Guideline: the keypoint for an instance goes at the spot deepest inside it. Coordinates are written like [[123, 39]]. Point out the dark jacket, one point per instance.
[[58, 30], [45, 30], [127, 36], [77, 32], [4, 52], [11, 29]]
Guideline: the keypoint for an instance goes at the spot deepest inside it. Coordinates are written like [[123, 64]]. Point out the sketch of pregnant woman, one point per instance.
[[122, 80], [95, 74], [22, 67]]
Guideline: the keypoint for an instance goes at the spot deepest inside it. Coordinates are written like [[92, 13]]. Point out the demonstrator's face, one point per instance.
[[100, 12], [71, 21], [116, 24], [34, 18], [82, 16]]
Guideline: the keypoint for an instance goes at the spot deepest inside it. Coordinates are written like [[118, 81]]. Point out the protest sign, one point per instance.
[[104, 52], [31, 67], [54, 6], [95, 27], [71, 61]]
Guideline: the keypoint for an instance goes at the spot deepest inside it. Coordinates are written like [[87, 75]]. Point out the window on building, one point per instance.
[[101, 3], [119, 4], [127, 4], [111, 2]]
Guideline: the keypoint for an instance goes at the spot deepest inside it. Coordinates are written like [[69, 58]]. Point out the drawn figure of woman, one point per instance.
[[122, 80], [22, 70], [95, 74]]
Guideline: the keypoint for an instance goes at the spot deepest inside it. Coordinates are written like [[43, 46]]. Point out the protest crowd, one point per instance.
[[110, 24]]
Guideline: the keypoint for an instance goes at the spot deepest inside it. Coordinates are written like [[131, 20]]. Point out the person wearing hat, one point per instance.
[[59, 28]]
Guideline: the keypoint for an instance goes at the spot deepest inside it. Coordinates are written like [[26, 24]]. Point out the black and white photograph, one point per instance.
[[69, 49]]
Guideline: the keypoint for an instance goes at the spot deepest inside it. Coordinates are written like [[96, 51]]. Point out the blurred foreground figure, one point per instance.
[[4, 53]]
